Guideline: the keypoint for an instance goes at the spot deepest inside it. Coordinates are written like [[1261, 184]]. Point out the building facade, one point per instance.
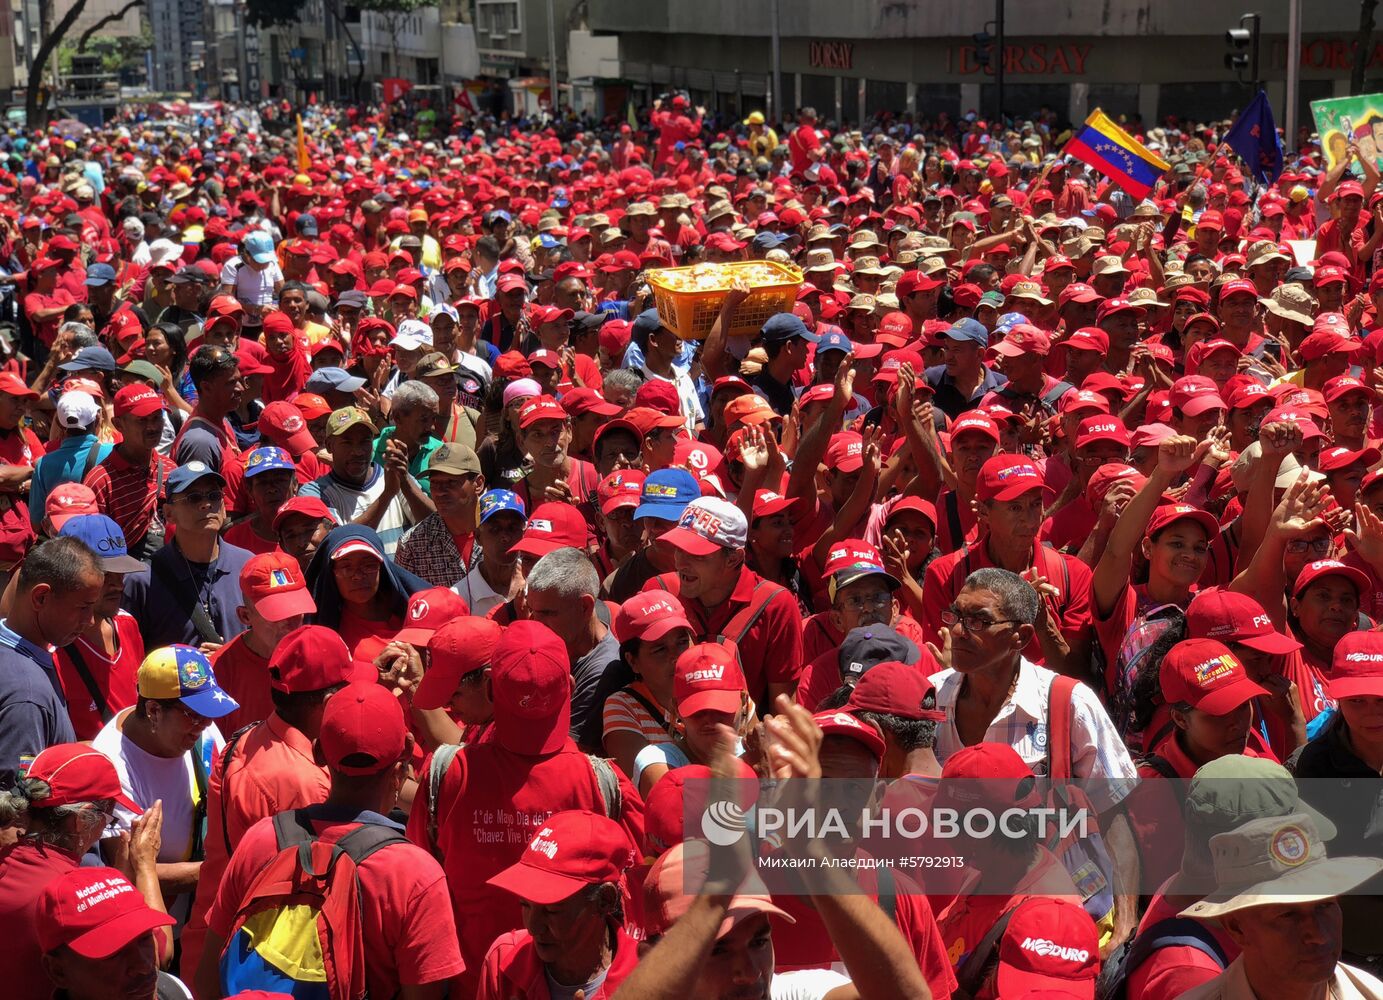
[[851, 60], [177, 60]]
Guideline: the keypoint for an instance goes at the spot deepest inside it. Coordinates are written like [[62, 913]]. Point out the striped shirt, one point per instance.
[[624, 714], [349, 501], [128, 494]]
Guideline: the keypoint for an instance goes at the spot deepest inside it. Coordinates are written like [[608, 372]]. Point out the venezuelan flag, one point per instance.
[[1113, 152]]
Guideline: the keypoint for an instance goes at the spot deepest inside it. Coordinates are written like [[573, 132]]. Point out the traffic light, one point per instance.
[[984, 42], [1242, 56]]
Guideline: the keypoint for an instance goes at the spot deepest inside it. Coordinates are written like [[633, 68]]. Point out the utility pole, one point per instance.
[[1293, 73], [552, 58], [999, 60]]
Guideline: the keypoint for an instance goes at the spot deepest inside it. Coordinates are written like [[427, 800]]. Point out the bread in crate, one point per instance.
[[689, 298]]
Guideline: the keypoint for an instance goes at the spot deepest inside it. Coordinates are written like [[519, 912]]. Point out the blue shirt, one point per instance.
[[65, 464], [160, 598], [949, 400], [33, 711]]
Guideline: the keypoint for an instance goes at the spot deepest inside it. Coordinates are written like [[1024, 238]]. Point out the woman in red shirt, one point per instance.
[[360, 593]]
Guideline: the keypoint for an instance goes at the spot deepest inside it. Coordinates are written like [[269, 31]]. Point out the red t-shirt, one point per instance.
[[273, 769], [243, 534], [45, 330], [821, 677], [410, 937], [114, 676], [1169, 973], [25, 870], [244, 675], [771, 650], [490, 804], [513, 971], [20, 446]]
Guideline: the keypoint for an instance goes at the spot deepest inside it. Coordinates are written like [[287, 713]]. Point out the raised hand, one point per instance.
[[941, 649], [1367, 537], [794, 742], [1301, 508], [1279, 438], [1177, 454]]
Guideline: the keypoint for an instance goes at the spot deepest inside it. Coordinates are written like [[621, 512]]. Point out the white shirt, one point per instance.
[[805, 984], [481, 597], [1098, 755], [686, 395], [1348, 983], [145, 778], [250, 286]]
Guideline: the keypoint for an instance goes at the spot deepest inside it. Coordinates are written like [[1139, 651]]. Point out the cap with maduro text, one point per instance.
[[1050, 943], [1356, 668]]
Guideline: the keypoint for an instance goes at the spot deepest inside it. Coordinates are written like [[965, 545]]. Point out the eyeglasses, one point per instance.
[[1319, 546], [213, 497], [876, 602], [970, 623], [195, 718], [106, 807]]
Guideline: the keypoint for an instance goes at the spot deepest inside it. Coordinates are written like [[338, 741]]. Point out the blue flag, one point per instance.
[[1254, 137]]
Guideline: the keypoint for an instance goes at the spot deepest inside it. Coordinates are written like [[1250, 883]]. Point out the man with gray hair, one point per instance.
[[991, 693], [562, 593], [413, 410]]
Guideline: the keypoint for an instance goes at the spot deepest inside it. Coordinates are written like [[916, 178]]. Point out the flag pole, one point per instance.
[[1293, 73]]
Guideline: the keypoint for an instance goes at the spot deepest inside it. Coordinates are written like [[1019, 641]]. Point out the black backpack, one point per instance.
[[1174, 932]]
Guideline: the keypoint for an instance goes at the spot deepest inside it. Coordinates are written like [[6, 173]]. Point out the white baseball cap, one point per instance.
[[77, 410], [412, 334]]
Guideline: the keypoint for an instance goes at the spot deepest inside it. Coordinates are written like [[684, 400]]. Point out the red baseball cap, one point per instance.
[[273, 583], [894, 688], [585, 400], [12, 385], [1194, 395], [77, 773], [552, 526], [1204, 674], [1088, 338], [548, 359], [975, 421], [1340, 385], [1111, 306], [845, 452], [1313, 571], [672, 882], [924, 507], [767, 503], [461, 646], [307, 506], [988, 771], [363, 730], [1210, 220], [1078, 291], [1249, 395], [1331, 459], [1170, 513], [313, 658], [1101, 428], [284, 425], [842, 723], [647, 419], [1356, 669], [68, 500], [530, 678], [1238, 287], [621, 488], [1226, 616], [1050, 944], [574, 849], [1024, 338], [95, 912], [749, 408], [708, 677], [137, 400], [311, 406], [1083, 400], [1007, 477], [648, 616], [428, 610], [1319, 343]]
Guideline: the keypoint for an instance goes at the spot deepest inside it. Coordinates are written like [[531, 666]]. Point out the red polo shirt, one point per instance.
[[490, 803], [271, 771], [946, 575], [1169, 973], [244, 675], [46, 330], [129, 494], [25, 870], [771, 651], [410, 939], [513, 971]]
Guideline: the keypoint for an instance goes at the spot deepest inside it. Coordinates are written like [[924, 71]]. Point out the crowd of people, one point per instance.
[[390, 568]]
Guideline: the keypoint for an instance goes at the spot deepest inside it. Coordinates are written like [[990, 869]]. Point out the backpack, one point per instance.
[[1174, 932], [1147, 628], [605, 778], [298, 930], [1086, 858]]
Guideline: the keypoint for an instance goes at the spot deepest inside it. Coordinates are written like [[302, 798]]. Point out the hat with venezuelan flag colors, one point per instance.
[[184, 673]]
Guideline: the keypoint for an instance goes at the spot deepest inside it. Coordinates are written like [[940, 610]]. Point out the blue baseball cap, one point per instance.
[[497, 215], [94, 358], [103, 536], [770, 240], [647, 322], [666, 494], [185, 475], [268, 459], [335, 378], [548, 242], [782, 327], [184, 673], [1008, 321], [493, 502], [306, 225], [834, 341], [969, 329], [260, 247], [98, 275]]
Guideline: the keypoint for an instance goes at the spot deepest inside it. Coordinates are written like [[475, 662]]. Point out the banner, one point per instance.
[[304, 160], [1342, 120]]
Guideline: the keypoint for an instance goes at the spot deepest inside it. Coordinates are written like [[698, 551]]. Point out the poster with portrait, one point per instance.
[[1342, 121]]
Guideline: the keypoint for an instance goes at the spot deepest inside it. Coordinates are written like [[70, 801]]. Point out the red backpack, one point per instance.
[[298, 929]]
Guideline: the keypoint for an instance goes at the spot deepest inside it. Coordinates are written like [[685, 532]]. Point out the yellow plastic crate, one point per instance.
[[690, 314]]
